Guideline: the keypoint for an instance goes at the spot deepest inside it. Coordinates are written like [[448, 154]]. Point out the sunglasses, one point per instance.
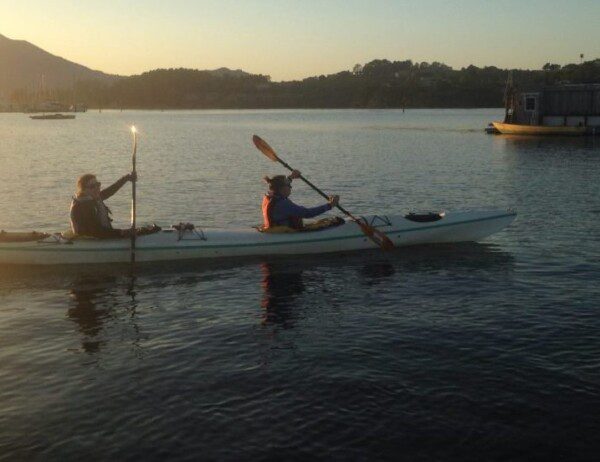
[[94, 184]]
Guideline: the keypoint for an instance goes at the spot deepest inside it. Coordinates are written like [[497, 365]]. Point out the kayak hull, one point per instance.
[[517, 129], [170, 245]]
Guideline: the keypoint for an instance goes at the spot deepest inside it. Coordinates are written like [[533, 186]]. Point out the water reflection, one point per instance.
[[288, 289], [547, 144], [376, 273], [163, 275], [98, 300], [281, 285], [325, 277], [453, 257], [89, 309]]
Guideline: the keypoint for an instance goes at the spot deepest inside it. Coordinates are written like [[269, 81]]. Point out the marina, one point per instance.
[[53, 117]]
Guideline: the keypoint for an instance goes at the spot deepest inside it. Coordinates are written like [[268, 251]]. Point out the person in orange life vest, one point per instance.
[[279, 210]]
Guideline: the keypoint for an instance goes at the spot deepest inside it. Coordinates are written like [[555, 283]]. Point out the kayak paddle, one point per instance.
[[372, 233]]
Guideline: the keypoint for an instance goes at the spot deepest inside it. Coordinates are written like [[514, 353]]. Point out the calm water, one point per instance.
[[486, 351]]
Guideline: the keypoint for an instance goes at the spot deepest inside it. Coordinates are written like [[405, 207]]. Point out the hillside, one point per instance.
[[377, 84], [22, 66]]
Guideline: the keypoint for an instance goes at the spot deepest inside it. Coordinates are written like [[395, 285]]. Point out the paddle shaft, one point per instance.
[[133, 198]]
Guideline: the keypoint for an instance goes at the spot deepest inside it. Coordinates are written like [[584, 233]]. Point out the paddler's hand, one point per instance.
[[295, 174], [333, 201], [131, 176]]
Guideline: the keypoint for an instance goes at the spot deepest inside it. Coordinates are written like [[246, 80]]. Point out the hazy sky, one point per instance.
[[293, 39]]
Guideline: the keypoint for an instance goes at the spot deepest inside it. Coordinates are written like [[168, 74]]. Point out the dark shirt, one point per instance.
[[285, 208], [86, 213]]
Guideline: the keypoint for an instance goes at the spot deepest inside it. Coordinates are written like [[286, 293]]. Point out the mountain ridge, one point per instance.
[[24, 65], [379, 83], [27, 67]]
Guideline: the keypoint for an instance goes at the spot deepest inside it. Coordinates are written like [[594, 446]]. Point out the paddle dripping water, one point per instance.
[[372, 233]]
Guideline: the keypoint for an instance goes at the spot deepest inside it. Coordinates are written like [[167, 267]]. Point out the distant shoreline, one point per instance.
[[260, 109]]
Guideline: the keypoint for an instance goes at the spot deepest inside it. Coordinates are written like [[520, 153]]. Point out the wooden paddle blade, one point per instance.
[[376, 236], [264, 147], [386, 243]]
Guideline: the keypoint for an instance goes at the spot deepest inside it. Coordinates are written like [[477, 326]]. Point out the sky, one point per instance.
[[294, 39]]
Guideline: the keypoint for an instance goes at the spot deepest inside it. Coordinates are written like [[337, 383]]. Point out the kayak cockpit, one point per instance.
[[319, 225], [425, 217]]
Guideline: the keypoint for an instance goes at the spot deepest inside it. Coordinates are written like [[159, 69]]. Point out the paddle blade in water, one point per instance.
[[376, 236], [386, 242], [264, 147]]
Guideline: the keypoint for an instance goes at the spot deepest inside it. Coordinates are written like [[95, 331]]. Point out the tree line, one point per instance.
[[377, 84]]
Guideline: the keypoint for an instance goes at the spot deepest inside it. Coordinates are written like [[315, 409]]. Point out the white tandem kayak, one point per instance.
[[190, 244]]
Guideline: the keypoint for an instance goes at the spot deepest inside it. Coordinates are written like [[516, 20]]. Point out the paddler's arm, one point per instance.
[[113, 188], [287, 208], [304, 212]]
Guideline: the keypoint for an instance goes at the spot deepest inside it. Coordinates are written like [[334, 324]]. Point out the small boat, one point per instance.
[[518, 129], [52, 117], [189, 242], [490, 129]]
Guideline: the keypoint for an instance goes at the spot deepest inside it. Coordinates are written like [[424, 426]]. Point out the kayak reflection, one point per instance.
[[290, 291], [376, 273], [330, 280]]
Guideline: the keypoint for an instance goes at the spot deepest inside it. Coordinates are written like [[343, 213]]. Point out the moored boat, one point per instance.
[[490, 129], [52, 117], [563, 110], [188, 243], [518, 129]]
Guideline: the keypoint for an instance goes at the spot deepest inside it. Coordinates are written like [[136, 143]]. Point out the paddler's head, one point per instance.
[[88, 185], [279, 185]]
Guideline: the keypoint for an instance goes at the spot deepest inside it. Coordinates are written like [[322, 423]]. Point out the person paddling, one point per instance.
[[89, 215], [279, 210]]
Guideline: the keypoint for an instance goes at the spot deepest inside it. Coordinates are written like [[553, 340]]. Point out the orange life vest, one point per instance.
[[267, 211]]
